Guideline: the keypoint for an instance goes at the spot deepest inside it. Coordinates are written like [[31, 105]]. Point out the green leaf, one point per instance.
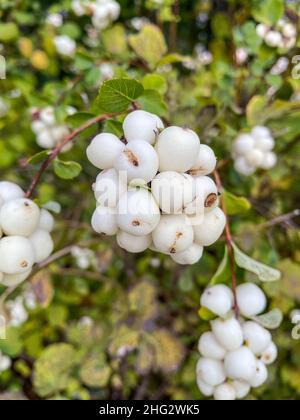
[[149, 45], [155, 82], [235, 205], [8, 32], [172, 59], [114, 40], [255, 110], [223, 273], [12, 346], [113, 127], [78, 119], [38, 157], [264, 272], [268, 11], [66, 170], [153, 102], [271, 320], [116, 95], [95, 371], [206, 314]]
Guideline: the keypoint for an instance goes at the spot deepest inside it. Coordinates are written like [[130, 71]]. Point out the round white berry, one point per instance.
[[138, 213], [270, 355], [133, 244], [260, 376], [225, 392], [289, 30], [206, 197], [206, 162], [139, 160], [113, 10], [251, 300], [255, 158], [262, 30], [210, 371], [269, 161], [104, 221], [206, 390], [104, 149], [218, 299], [265, 144], [173, 191], [243, 144], [211, 229], [178, 149], [256, 337], [260, 131], [47, 116], [12, 280], [65, 45], [141, 125], [209, 347], [19, 217], [38, 126], [242, 389], [243, 168], [59, 133], [46, 220], [273, 38], [45, 140], [42, 245], [110, 185], [240, 364], [229, 333], [173, 234], [16, 255], [190, 256], [10, 191]]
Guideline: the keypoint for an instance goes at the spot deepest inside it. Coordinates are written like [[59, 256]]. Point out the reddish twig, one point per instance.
[[229, 243], [55, 152]]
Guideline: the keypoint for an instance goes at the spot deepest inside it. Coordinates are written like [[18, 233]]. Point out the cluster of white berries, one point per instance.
[[55, 19], [49, 133], [24, 232], [236, 353], [103, 12], [283, 35], [254, 151], [154, 191], [65, 45]]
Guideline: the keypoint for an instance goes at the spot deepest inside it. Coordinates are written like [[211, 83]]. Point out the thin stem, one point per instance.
[[229, 243], [55, 152]]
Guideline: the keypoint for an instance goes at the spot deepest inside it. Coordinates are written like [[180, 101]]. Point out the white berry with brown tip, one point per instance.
[[16, 255], [19, 217]]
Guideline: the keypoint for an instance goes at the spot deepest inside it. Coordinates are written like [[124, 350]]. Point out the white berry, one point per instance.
[[10, 191], [12, 280], [242, 389], [104, 221], [225, 392], [104, 150], [46, 221], [141, 125], [206, 390], [260, 376], [16, 255], [19, 217], [240, 364], [256, 337], [229, 333], [206, 162], [210, 347], [42, 245], [211, 371], [133, 244], [110, 185], [211, 229], [251, 300], [270, 355], [190, 256]]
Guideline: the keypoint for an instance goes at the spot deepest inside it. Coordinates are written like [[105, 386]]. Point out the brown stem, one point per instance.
[[55, 152], [229, 243]]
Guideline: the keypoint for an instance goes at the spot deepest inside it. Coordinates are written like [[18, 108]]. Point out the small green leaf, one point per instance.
[[255, 108], [223, 272], [116, 95], [271, 320], [155, 82], [149, 45], [8, 32], [206, 314], [264, 273], [153, 102], [66, 170], [235, 205], [268, 11], [38, 157]]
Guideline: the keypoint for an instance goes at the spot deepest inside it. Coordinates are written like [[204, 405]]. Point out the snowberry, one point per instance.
[[240, 364], [59, 133], [19, 217], [225, 392], [141, 125], [243, 168], [173, 234], [103, 150], [262, 30], [37, 126], [138, 213], [79, 7], [65, 45], [209, 347], [206, 196], [10, 191], [243, 144], [55, 19], [270, 354], [260, 131], [45, 140], [16, 255], [289, 30], [113, 9], [251, 300], [242, 389], [255, 158], [273, 38], [206, 161], [178, 149], [47, 116], [260, 376], [133, 244], [256, 337], [46, 221], [190, 256], [229, 333], [264, 144], [42, 244], [173, 191], [104, 221], [218, 299], [109, 187], [12, 280], [269, 161], [211, 229], [206, 390], [139, 160], [210, 371]]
